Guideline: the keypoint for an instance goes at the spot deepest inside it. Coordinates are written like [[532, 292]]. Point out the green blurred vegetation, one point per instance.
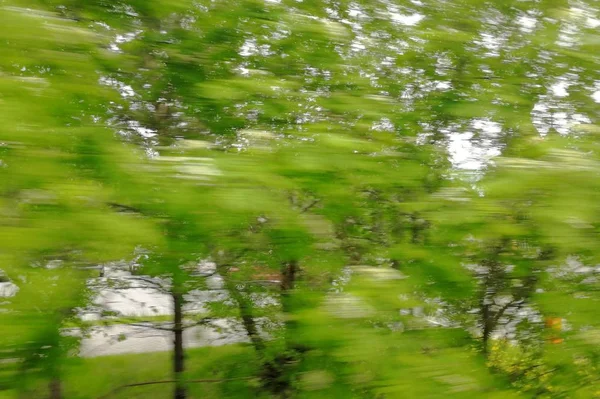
[[396, 198]]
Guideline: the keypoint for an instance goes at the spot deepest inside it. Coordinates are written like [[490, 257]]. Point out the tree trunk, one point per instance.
[[250, 326], [245, 308], [288, 281], [288, 276], [55, 388], [488, 327], [276, 377], [271, 372], [178, 354]]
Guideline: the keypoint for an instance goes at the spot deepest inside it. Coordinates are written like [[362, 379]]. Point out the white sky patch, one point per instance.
[[443, 85], [485, 69], [126, 37], [332, 13], [357, 45], [8, 289], [127, 9], [388, 61], [562, 84], [578, 119], [187, 22], [120, 39], [462, 153], [596, 93], [443, 63], [494, 17], [103, 24], [423, 138], [552, 112], [280, 34], [491, 42], [548, 115], [539, 117], [407, 20], [250, 48], [527, 23], [487, 126], [559, 89], [126, 91], [242, 69], [139, 129], [356, 26], [151, 153], [592, 22], [356, 11], [568, 34], [470, 152], [384, 125]]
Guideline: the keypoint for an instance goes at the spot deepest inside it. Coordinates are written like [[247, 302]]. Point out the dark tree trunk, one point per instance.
[[245, 308], [55, 388], [275, 376], [288, 276], [271, 371], [488, 327], [178, 353], [288, 281], [251, 329], [54, 355]]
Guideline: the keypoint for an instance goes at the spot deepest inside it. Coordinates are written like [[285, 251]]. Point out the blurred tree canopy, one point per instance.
[[383, 190]]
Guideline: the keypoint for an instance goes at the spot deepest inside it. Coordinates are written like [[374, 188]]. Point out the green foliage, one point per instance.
[[319, 153]]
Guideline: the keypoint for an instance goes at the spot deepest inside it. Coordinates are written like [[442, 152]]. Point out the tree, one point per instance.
[[299, 141], [58, 176]]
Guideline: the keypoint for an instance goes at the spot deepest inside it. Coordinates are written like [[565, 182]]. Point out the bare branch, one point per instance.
[[205, 320], [501, 311], [139, 384], [309, 206], [124, 208], [151, 325]]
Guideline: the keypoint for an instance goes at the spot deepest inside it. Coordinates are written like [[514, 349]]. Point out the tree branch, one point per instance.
[[309, 206], [124, 208], [139, 384], [205, 320], [501, 311], [149, 280], [151, 326]]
